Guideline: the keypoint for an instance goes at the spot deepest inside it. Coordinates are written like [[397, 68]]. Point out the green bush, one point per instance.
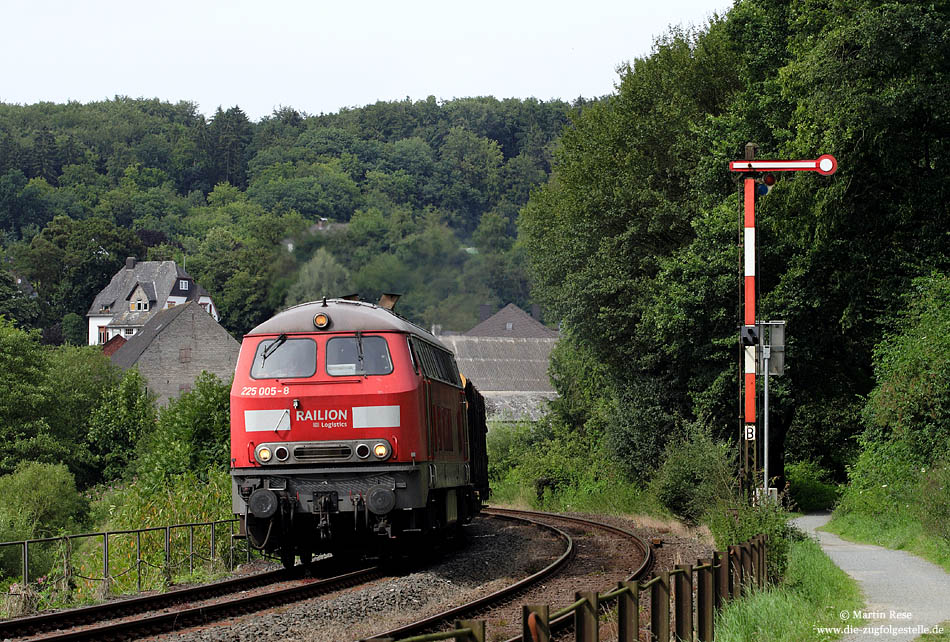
[[185, 498], [192, 434], [934, 504], [695, 474], [809, 487], [546, 465], [37, 500], [738, 522], [125, 414]]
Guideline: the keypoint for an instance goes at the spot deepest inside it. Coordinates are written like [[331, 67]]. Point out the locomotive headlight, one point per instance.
[[321, 321], [264, 455], [380, 450]]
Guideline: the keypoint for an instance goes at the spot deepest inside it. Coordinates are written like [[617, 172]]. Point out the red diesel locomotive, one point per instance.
[[350, 426]]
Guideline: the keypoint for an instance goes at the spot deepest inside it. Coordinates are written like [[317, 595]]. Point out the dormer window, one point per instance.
[[182, 284], [141, 305]]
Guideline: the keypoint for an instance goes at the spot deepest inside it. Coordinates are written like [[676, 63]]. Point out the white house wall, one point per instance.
[[94, 324]]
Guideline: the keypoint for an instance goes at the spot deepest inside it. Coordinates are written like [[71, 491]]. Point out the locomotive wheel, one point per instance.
[[287, 557]]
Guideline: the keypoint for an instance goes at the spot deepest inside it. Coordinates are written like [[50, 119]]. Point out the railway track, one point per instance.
[[163, 612], [183, 608], [478, 609]]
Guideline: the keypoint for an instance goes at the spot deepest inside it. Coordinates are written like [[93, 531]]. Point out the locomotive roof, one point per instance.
[[345, 316]]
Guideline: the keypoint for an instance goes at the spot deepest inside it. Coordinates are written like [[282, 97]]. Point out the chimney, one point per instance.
[[130, 263], [536, 312], [484, 311]]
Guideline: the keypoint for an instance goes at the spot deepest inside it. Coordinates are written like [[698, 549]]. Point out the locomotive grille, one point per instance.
[[345, 486], [320, 452]]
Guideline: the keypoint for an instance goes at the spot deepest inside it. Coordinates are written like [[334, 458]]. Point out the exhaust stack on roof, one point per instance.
[[388, 300]]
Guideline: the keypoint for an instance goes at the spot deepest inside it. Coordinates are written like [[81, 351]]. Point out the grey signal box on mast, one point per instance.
[[771, 347]]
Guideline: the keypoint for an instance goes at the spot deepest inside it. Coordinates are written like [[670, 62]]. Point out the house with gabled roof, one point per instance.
[[136, 293], [175, 346]]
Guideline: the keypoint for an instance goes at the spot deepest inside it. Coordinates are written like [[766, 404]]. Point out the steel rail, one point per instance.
[[558, 624], [182, 618], [447, 618], [23, 626]]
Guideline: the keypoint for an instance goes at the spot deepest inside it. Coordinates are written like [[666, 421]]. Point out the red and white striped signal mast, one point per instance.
[[759, 170]]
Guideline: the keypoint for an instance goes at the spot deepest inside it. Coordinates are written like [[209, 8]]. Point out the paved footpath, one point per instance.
[[902, 590]]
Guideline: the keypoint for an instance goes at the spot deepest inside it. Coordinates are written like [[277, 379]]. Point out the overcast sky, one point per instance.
[[319, 56]]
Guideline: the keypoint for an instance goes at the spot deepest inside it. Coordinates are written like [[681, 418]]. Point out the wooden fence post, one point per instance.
[[660, 608], [722, 578], [534, 623], [754, 561], [628, 609], [586, 617], [748, 577], [477, 627], [735, 571], [683, 602], [705, 600]]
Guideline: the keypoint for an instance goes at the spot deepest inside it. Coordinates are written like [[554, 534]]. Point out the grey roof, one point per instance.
[[131, 318], [149, 288], [157, 278], [522, 325], [126, 356], [500, 364]]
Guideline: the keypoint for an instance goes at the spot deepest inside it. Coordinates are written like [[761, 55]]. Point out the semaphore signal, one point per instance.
[[825, 165]]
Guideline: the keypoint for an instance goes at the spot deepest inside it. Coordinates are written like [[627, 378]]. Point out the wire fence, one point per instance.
[[95, 565]]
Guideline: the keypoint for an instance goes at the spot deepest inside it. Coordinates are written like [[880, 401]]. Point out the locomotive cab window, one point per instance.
[[358, 356], [284, 358], [436, 363]]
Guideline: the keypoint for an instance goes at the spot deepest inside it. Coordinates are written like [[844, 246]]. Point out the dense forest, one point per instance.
[[419, 198], [635, 241]]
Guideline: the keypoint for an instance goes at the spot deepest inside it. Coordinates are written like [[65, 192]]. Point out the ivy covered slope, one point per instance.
[[635, 239], [418, 198]]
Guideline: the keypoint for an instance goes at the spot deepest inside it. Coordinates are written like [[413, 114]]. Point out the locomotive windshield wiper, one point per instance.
[[359, 352], [269, 350]]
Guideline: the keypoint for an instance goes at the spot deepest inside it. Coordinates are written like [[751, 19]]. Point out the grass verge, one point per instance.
[[941, 634], [804, 607], [897, 531]]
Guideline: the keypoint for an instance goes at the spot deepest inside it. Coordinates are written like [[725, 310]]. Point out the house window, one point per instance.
[[184, 355], [141, 305], [182, 284], [129, 332], [509, 326], [102, 334]]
